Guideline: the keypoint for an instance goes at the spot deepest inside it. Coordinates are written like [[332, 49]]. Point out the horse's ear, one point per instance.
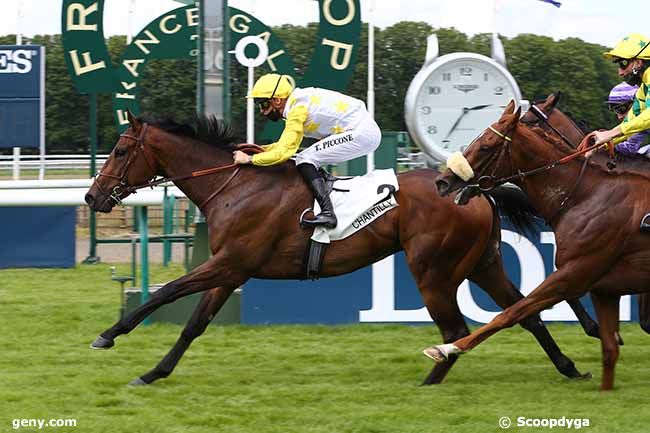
[[133, 121], [510, 108], [557, 96], [518, 112]]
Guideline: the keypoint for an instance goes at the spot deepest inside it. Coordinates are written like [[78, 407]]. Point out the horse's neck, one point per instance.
[[547, 189], [181, 156]]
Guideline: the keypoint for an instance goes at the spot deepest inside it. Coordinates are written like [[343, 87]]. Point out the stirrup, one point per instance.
[[645, 223], [322, 219]]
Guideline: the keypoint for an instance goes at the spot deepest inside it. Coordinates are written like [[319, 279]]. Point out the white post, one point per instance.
[[16, 164], [41, 169], [250, 108], [251, 63], [19, 41], [383, 272], [370, 161]]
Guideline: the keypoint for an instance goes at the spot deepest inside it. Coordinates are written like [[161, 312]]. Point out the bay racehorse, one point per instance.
[[543, 114], [253, 214], [594, 210]]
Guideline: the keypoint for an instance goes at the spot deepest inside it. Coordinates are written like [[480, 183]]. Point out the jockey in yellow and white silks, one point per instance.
[[342, 125]]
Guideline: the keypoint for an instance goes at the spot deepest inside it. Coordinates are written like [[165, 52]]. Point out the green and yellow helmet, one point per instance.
[[271, 86], [632, 46]]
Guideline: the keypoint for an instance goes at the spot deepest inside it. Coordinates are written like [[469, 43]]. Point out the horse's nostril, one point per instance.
[[442, 186], [90, 200]]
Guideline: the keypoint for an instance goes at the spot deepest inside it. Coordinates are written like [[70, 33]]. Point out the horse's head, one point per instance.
[[547, 116], [131, 163], [487, 157]]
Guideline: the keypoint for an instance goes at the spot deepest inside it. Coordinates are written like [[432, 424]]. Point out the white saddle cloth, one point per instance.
[[358, 202]]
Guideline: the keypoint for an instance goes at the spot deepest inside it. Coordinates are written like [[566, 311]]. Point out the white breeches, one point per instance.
[[362, 140]]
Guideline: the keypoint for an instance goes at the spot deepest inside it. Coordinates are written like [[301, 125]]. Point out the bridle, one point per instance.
[[487, 183], [124, 187]]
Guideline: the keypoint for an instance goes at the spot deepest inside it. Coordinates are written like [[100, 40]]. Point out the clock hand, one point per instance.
[[478, 107], [457, 122]]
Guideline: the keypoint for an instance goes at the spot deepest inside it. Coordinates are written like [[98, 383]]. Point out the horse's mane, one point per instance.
[[637, 166], [205, 128]]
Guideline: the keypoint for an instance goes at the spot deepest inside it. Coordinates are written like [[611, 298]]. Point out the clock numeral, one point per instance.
[[426, 109], [446, 76], [498, 90], [466, 71], [432, 129], [434, 90], [486, 76]]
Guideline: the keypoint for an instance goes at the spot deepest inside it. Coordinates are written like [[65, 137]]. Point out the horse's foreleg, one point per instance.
[[210, 303], [496, 283], [557, 287], [212, 273], [607, 311]]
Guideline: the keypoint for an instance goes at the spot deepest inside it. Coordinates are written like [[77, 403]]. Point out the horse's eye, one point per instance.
[[120, 152]]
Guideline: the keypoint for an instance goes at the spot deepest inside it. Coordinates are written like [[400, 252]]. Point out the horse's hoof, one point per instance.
[[586, 376], [102, 343], [138, 382], [619, 338], [435, 354]]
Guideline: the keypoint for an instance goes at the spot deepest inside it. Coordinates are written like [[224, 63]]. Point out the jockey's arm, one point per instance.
[[289, 141]]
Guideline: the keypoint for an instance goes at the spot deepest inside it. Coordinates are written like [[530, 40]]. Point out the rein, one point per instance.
[[487, 183], [124, 187]]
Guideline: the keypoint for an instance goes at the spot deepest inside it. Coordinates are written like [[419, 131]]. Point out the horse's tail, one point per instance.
[[513, 204]]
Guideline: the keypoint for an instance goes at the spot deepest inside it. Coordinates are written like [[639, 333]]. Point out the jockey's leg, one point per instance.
[[316, 183], [336, 148]]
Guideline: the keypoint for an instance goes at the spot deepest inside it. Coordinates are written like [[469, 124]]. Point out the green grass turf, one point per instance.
[[329, 379]]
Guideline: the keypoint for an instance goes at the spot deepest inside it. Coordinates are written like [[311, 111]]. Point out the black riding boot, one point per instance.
[[645, 223], [316, 183]]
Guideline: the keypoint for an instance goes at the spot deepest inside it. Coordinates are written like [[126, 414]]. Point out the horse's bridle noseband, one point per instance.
[[123, 186]]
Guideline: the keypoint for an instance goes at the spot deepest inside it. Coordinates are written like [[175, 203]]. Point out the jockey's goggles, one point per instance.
[[621, 108], [622, 63], [263, 103]]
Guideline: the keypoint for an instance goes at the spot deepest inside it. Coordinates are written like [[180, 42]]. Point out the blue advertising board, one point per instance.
[[38, 237], [22, 100], [388, 293]]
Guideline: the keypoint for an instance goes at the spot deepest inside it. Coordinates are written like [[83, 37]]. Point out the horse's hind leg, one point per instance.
[[205, 310], [588, 324], [495, 282], [644, 311], [213, 273]]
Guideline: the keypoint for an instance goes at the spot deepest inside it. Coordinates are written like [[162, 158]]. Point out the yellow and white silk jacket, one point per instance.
[[315, 113]]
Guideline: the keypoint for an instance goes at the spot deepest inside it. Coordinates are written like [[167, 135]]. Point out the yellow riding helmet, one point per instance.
[[271, 86], [634, 45]]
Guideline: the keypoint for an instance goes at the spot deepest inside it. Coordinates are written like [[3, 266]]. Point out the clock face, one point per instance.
[[455, 98]]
